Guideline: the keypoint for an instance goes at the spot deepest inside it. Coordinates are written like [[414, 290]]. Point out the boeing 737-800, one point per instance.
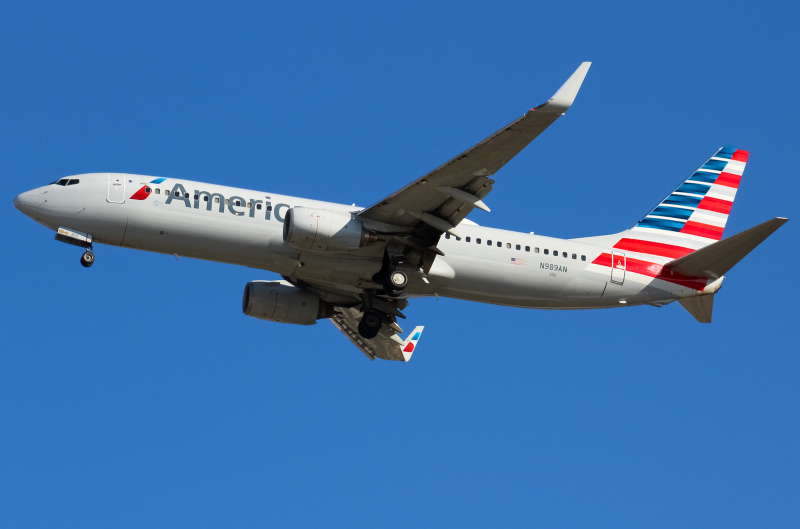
[[359, 267]]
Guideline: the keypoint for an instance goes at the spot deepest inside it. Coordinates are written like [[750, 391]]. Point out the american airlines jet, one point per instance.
[[359, 267]]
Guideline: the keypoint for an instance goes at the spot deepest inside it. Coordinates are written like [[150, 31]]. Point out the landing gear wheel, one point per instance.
[[398, 280], [370, 324], [87, 259]]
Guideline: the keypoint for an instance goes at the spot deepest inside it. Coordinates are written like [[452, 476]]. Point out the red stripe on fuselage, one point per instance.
[[645, 268], [653, 248], [702, 230], [715, 204], [728, 180]]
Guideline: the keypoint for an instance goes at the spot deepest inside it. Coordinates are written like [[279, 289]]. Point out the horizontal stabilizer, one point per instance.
[[700, 307], [716, 259]]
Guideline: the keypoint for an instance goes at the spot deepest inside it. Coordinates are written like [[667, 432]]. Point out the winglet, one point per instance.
[[410, 344], [563, 99]]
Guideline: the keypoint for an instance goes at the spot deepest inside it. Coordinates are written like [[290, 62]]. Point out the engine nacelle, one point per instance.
[[282, 302], [320, 230]]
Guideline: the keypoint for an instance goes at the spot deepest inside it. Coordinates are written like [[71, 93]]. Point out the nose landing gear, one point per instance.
[[87, 259]]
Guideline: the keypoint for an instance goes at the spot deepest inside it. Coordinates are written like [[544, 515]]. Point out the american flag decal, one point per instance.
[[516, 260]]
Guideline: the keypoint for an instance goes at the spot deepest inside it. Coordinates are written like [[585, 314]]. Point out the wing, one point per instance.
[[439, 201], [387, 345]]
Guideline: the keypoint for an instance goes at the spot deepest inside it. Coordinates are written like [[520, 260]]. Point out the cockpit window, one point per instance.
[[65, 182]]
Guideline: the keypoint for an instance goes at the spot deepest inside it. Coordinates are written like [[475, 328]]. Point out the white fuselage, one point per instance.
[[245, 227]]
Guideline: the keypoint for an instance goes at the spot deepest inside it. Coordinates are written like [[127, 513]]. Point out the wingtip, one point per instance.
[[410, 343], [565, 95]]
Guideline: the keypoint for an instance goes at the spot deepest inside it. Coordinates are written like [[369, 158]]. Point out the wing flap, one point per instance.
[[387, 345]]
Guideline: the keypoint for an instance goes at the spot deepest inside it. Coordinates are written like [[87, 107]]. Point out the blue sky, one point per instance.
[[136, 394]]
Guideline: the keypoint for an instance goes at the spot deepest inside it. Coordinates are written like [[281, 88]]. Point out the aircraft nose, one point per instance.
[[28, 202]]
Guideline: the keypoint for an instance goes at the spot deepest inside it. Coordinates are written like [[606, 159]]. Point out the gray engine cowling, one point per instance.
[[321, 230], [282, 302]]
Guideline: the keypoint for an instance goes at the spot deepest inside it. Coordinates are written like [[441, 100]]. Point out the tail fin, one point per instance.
[[695, 214]]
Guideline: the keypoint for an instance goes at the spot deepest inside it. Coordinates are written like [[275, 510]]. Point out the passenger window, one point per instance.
[[536, 250], [269, 208], [205, 198], [196, 197], [508, 245], [177, 193], [478, 240], [216, 200], [574, 256], [249, 205], [258, 206], [227, 202], [147, 189], [546, 251], [527, 248], [458, 238], [239, 203], [499, 244], [158, 191], [446, 235], [468, 239], [564, 255], [166, 192], [519, 247], [583, 257]]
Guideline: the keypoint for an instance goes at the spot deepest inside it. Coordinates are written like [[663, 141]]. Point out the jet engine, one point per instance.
[[282, 302], [321, 230]]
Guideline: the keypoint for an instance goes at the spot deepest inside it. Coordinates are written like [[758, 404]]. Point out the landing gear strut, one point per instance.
[[87, 259], [370, 324]]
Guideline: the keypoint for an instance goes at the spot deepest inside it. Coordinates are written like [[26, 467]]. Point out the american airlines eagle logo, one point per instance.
[[145, 191]]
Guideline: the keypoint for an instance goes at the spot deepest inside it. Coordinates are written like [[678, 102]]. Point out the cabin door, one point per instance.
[[618, 265], [116, 188]]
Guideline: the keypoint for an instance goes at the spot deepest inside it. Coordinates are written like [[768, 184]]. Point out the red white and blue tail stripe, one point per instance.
[[691, 217], [698, 209]]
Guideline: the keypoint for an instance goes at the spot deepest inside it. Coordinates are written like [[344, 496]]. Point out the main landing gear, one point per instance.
[[370, 324], [87, 259], [391, 277]]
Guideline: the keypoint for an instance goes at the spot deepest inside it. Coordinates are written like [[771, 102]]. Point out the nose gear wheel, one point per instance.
[[87, 259]]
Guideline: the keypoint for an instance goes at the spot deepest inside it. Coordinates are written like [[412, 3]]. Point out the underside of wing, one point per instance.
[[443, 197], [387, 345]]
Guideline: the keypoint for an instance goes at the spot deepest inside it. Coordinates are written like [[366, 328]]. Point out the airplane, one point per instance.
[[359, 267]]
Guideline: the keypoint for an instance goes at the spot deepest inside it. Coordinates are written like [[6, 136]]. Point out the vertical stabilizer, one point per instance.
[[695, 214]]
